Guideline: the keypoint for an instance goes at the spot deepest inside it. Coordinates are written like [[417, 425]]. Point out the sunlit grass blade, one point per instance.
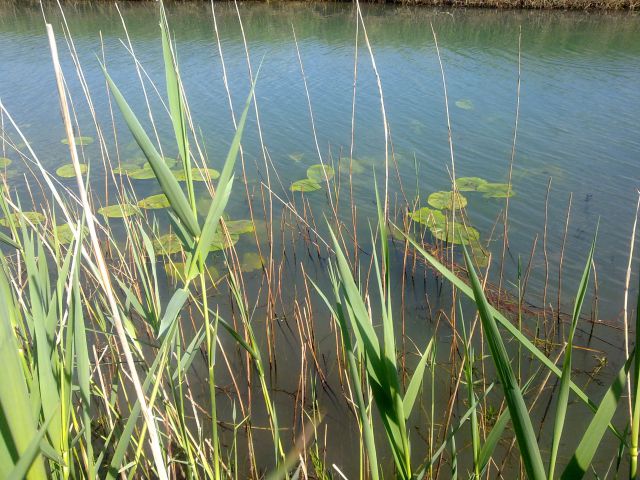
[[19, 426], [22, 468], [176, 103], [520, 419], [583, 456], [565, 378]]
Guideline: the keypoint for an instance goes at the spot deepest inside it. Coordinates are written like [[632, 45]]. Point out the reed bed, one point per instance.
[[129, 356]]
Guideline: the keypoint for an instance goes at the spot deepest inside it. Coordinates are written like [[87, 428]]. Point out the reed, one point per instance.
[[128, 357]]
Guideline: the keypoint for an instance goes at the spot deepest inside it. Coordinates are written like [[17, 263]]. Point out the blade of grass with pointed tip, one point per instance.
[[565, 378], [413, 388], [527, 441], [176, 106], [581, 459], [169, 185]]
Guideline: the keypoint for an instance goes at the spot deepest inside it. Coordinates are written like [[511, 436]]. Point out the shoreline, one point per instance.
[[567, 5]]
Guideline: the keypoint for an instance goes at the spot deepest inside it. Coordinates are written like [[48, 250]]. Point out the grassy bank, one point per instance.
[[138, 340]]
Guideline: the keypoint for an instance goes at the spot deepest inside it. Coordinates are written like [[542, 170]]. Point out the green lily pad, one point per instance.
[[354, 166], [428, 216], [320, 173], [33, 217], [469, 184], [118, 210], [78, 140], [4, 162], [461, 235], [445, 200], [65, 234], [464, 104], [296, 157], [144, 173], [167, 244], [154, 202], [479, 255], [197, 174], [221, 241], [239, 227], [176, 272], [496, 190], [126, 168], [67, 171], [305, 185], [170, 162], [251, 262]]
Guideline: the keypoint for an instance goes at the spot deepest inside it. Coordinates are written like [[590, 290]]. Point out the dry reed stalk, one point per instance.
[[102, 267]]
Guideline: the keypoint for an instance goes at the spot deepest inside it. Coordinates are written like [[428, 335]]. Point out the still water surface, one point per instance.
[[578, 124]]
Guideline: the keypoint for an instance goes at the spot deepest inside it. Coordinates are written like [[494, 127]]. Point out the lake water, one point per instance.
[[578, 126]]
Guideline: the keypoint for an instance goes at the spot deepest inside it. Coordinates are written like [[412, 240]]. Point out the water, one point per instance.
[[578, 126]]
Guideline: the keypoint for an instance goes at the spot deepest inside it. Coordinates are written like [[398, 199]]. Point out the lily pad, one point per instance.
[[305, 185], [479, 255], [320, 173], [454, 232], [144, 173], [469, 184], [176, 272], [127, 168], [4, 162], [239, 227], [296, 157], [154, 202], [428, 216], [65, 234], [67, 171], [118, 210], [445, 200], [167, 244], [78, 140], [198, 174], [251, 262], [464, 104], [354, 166], [221, 241], [33, 217], [496, 190]]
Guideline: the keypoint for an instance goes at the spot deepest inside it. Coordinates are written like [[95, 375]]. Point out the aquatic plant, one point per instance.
[[78, 141], [119, 210], [447, 200], [5, 162], [320, 173], [154, 202], [305, 185], [68, 170]]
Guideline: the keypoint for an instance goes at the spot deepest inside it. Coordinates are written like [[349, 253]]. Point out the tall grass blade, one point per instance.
[[565, 378], [520, 419], [591, 439]]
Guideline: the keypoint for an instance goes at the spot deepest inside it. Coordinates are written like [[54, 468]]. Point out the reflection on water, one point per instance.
[[577, 126]]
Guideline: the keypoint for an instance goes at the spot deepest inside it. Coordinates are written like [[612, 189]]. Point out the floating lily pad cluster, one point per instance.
[[438, 217], [316, 174], [141, 170]]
